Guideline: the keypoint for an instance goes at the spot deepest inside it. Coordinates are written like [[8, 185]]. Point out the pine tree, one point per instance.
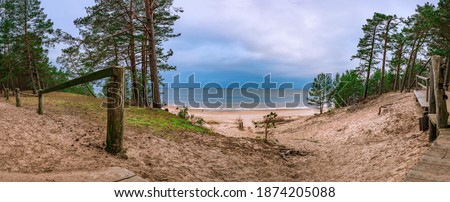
[[398, 59], [390, 25], [439, 21], [418, 32], [369, 48], [348, 91], [26, 33], [118, 33], [321, 92]]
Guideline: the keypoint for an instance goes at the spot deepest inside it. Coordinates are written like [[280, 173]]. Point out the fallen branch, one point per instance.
[[289, 152], [383, 107]]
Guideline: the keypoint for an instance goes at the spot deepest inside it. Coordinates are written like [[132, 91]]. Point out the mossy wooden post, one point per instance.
[[41, 103], [18, 100], [116, 95], [439, 91]]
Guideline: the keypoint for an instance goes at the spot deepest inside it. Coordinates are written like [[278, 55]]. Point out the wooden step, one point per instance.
[[442, 141], [438, 153], [436, 161], [113, 174], [421, 96], [427, 177]]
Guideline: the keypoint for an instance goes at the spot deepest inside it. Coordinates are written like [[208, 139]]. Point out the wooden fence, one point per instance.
[[116, 101]]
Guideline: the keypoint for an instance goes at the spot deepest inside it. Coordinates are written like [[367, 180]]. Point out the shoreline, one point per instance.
[[225, 121]]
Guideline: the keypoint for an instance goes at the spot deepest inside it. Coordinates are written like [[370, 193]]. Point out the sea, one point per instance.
[[236, 99]]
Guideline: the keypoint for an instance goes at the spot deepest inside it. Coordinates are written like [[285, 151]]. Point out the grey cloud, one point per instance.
[[298, 36]]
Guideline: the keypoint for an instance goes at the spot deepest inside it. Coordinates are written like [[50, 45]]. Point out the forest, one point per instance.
[[127, 33], [391, 53]]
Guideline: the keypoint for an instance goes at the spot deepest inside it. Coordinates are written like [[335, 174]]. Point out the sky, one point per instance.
[[243, 40]]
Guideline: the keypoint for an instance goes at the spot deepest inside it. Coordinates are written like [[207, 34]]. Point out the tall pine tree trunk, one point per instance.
[[413, 65], [405, 77], [383, 67], [366, 87], [10, 68], [28, 51], [144, 70], [397, 73], [135, 90], [116, 54], [411, 73], [154, 76], [38, 78]]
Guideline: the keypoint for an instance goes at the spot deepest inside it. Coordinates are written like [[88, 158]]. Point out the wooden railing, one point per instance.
[[424, 85], [116, 100]]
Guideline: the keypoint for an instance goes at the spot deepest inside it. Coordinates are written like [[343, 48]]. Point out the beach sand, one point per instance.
[[225, 122]]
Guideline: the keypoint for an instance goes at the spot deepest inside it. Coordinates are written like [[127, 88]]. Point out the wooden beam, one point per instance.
[[421, 85], [422, 77], [85, 79], [29, 94], [116, 101]]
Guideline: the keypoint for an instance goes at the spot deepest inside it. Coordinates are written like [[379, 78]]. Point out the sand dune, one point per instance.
[[349, 144]]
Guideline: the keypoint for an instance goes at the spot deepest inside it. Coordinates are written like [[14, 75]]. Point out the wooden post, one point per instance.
[[425, 122], [427, 83], [116, 101], [18, 100], [432, 132], [447, 71], [439, 91], [432, 99], [432, 107], [41, 103], [7, 93]]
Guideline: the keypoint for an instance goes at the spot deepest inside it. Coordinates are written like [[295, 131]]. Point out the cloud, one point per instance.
[[288, 38], [296, 38]]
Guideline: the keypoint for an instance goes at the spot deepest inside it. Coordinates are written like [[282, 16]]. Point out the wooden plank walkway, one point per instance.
[[113, 174], [434, 166], [421, 97]]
